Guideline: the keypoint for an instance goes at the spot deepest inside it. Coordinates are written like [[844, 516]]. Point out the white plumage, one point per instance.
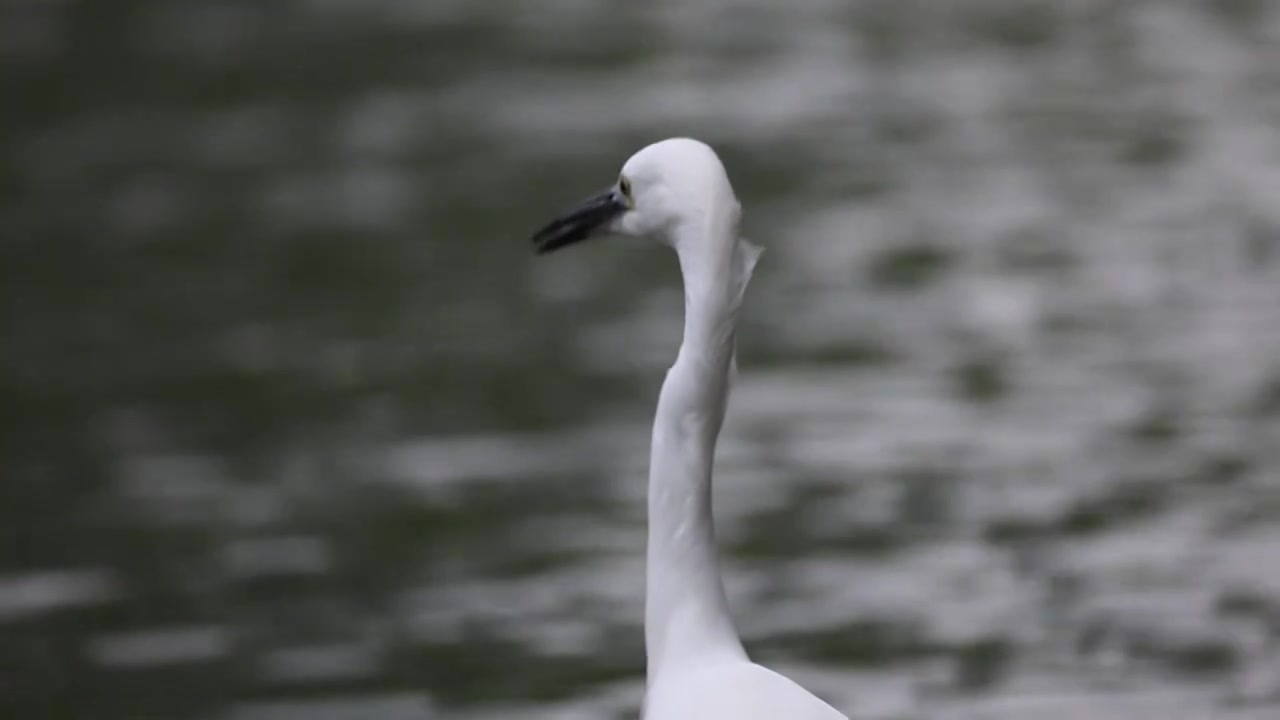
[[677, 191]]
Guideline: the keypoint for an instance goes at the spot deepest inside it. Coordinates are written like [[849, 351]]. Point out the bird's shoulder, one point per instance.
[[738, 690]]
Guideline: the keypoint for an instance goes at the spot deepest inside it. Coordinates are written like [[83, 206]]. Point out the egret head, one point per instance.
[[662, 187]]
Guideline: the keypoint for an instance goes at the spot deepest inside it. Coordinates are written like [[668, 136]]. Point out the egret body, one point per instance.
[[677, 192]]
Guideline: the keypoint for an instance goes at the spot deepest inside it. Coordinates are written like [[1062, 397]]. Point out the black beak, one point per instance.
[[581, 222]]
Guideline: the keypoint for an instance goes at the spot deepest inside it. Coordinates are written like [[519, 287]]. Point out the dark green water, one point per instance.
[[293, 424]]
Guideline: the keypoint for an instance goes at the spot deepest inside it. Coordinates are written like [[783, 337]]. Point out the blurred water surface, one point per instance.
[[294, 425]]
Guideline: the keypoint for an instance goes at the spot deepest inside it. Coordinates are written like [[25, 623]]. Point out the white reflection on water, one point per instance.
[[1001, 443]]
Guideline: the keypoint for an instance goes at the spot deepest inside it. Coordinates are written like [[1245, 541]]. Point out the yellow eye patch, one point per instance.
[[625, 186]]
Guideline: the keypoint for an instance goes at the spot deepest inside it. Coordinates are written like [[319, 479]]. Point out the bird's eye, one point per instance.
[[625, 186]]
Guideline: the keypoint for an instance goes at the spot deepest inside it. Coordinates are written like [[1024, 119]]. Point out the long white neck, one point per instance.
[[686, 613]]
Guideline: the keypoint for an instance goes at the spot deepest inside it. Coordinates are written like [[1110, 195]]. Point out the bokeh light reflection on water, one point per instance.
[[295, 426]]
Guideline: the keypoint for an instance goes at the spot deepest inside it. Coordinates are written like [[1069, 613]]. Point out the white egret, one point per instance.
[[676, 191]]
